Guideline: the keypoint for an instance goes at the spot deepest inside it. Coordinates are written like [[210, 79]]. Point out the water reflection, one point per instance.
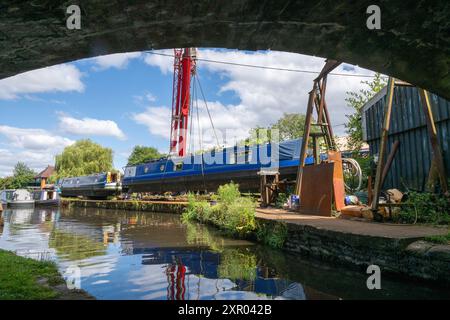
[[129, 255]]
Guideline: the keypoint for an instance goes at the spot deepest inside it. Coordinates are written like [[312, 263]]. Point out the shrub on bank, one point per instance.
[[425, 207], [231, 212]]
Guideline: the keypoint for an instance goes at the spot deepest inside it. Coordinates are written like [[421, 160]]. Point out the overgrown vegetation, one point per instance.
[[231, 212], [273, 235], [235, 214], [439, 239], [281, 199], [425, 207], [19, 278]]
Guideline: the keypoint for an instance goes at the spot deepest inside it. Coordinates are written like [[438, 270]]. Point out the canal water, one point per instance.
[[130, 255]]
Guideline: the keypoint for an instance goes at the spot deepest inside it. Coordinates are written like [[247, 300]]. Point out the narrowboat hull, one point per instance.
[[47, 203], [91, 192], [248, 180], [21, 204], [96, 186]]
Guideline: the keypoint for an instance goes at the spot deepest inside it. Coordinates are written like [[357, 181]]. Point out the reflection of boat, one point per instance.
[[21, 198], [21, 216], [46, 197]]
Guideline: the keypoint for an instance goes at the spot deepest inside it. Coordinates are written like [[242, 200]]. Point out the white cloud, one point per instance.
[[157, 120], [164, 63], [145, 98], [63, 78], [264, 94], [117, 60], [33, 139], [90, 126], [36, 147]]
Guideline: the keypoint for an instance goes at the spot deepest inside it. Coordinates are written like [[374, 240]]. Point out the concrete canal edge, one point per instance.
[[396, 249]]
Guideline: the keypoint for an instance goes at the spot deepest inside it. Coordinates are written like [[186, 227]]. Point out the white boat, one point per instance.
[[21, 198], [46, 197]]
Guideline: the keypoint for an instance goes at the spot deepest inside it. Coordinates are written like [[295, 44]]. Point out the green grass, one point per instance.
[[19, 278], [439, 239]]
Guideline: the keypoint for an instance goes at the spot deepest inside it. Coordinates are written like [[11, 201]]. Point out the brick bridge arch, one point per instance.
[[413, 43]]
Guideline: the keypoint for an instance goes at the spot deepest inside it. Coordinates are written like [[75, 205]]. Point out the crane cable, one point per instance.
[[207, 109], [200, 139], [265, 67]]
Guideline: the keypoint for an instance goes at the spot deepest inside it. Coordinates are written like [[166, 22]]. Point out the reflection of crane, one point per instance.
[[176, 281], [184, 69]]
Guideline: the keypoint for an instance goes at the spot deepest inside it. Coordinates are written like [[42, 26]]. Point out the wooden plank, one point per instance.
[[436, 160], [305, 139], [383, 140]]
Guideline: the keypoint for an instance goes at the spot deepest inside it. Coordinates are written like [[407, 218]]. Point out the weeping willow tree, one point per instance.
[[82, 158]]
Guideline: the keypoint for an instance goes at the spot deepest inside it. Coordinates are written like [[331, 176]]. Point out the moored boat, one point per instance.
[[21, 198], [46, 197], [95, 186]]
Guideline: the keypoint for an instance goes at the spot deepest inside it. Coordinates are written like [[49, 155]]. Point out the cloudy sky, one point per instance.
[[122, 100]]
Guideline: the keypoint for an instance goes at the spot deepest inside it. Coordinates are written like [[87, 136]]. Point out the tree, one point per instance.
[[290, 126], [356, 100], [82, 158], [6, 183], [142, 154], [21, 178]]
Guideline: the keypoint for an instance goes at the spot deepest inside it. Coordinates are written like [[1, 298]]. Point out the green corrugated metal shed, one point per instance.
[[412, 161]]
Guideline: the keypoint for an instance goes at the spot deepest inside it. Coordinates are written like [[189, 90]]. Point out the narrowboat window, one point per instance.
[[248, 158], [178, 166], [244, 156], [161, 168]]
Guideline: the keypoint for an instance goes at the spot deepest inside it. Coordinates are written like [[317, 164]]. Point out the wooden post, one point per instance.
[[383, 141], [437, 163], [322, 89], [304, 147], [389, 161]]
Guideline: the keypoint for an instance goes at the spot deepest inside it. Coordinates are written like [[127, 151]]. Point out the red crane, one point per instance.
[[184, 69]]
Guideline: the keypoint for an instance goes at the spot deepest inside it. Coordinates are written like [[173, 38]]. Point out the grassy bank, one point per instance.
[[234, 214], [27, 279]]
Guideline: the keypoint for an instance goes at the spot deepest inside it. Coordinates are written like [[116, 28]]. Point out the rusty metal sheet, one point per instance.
[[338, 179], [317, 189]]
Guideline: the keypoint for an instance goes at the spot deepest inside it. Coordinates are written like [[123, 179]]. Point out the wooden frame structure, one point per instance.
[[317, 101]]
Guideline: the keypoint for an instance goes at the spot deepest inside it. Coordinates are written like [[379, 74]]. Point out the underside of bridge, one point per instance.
[[412, 44]]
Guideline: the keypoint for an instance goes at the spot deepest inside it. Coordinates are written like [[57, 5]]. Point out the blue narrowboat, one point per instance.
[[207, 171], [96, 186]]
